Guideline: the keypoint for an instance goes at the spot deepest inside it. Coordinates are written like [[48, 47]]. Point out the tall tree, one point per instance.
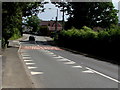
[[34, 22], [90, 14], [12, 13]]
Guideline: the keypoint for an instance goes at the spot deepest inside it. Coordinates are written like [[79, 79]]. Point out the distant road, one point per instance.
[[52, 67]]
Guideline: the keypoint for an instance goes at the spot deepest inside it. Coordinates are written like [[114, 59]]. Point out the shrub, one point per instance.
[[16, 34], [96, 42], [43, 30]]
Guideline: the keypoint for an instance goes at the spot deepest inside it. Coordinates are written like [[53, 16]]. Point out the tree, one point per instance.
[[90, 14], [34, 22], [12, 13]]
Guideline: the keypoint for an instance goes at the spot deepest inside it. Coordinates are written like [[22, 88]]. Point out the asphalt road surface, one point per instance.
[[52, 67]]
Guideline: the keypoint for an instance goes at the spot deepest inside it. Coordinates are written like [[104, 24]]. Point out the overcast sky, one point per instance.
[[50, 14]]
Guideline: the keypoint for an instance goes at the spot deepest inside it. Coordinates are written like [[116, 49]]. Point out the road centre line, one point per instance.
[[106, 76]]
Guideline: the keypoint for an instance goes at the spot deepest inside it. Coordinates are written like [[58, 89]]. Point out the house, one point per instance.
[[51, 25]]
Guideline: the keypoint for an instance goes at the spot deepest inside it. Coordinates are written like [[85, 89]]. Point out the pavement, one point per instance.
[[14, 74]]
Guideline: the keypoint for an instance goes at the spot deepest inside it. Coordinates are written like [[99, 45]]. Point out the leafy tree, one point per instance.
[[90, 14], [34, 22], [12, 13]]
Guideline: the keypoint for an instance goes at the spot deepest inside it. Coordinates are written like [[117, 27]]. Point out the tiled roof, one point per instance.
[[53, 28], [51, 25]]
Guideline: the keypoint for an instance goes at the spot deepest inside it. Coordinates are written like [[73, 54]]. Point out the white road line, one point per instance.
[[64, 59], [28, 60], [51, 53], [47, 51], [15, 41], [31, 67], [71, 62], [29, 63], [26, 57], [106, 76], [54, 55], [76, 66], [35, 73], [58, 57], [88, 71], [24, 54]]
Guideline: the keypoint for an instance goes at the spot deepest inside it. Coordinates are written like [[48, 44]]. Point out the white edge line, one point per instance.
[[104, 75]]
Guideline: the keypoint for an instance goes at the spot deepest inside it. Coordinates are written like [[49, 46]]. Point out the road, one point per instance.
[[52, 67]]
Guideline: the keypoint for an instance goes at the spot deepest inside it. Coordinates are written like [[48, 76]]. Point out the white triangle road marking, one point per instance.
[[30, 63], [51, 53], [64, 59], [54, 55], [26, 57], [36, 73], [28, 60], [88, 71], [58, 57], [71, 62], [76, 66], [31, 67]]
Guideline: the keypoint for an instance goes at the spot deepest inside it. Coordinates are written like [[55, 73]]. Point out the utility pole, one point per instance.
[[56, 21], [63, 18]]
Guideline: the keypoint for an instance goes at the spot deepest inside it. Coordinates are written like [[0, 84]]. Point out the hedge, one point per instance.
[[103, 43]]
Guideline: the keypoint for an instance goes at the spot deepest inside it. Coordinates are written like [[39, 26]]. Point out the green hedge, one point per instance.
[[104, 42], [43, 30], [16, 34]]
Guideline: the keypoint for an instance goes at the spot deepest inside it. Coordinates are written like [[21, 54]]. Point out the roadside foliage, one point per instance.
[[12, 14], [104, 42]]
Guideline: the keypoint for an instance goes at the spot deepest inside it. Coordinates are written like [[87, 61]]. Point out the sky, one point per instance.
[[51, 12]]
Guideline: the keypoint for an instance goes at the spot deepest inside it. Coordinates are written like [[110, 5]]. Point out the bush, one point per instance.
[[16, 34], [43, 30], [95, 42]]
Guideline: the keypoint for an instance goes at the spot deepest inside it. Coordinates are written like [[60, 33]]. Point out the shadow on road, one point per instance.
[[28, 42]]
